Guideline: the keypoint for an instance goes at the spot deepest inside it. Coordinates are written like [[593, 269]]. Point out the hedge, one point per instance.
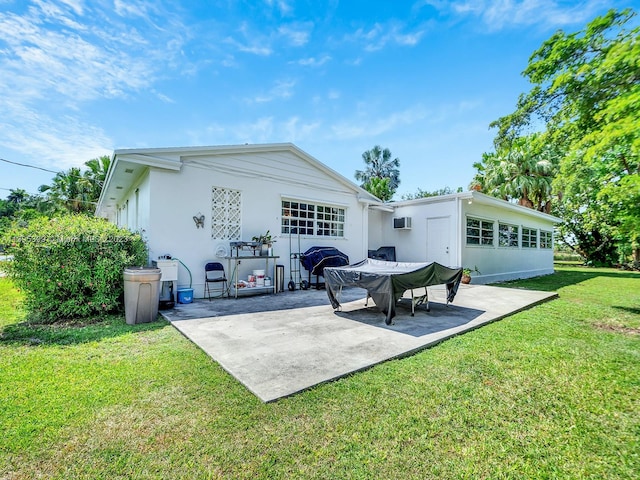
[[71, 266]]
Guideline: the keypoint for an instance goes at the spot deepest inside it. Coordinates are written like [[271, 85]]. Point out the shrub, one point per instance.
[[71, 266]]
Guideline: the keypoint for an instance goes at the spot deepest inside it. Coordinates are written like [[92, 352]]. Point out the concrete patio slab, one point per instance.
[[278, 345]]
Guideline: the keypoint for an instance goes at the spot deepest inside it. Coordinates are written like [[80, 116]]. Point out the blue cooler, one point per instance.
[[185, 295]]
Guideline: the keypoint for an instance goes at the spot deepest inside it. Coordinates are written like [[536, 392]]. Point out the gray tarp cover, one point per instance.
[[386, 282]]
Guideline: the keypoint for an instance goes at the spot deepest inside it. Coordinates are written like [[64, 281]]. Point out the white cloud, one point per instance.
[[260, 131], [162, 96], [59, 143], [132, 8], [365, 124], [54, 60], [381, 35], [76, 5], [283, 89], [497, 15], [295, 130], [263, 130], [254, 48], [313, 61], [253, 42], [229, 61], [297, 34], [281, 5]]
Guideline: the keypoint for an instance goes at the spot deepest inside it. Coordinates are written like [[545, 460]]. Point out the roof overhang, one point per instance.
[[481, 198], [128, 166]]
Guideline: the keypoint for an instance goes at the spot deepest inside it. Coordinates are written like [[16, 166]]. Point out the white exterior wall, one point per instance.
[[376, 237], [264, 180], [505, 263], [133, 213], [411, 245], [450, 212]]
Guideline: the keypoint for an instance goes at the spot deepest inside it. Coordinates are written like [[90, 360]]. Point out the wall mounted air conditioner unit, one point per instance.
[[402, 223]]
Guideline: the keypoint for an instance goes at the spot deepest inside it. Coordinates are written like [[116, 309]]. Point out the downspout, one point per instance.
[[460, 228], [365, 230], [459, 234]]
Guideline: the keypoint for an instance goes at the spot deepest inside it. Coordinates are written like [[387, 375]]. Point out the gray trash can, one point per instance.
[[279, 278], [141, 294]]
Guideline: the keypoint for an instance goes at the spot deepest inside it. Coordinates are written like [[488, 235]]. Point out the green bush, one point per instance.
[[567, 257], [71, 266]]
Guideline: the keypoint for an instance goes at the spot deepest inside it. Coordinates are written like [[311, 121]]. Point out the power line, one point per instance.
[[14, 189], [29, 166], [50, 171]]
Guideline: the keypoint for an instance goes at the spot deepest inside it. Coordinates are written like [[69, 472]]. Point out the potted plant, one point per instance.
[[265, 242], [466, 274]]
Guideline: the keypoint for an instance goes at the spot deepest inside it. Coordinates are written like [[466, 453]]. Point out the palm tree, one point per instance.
[[17, 195], [379, 165], [70, 191], [78, 191], [523, 172], [95, 176]]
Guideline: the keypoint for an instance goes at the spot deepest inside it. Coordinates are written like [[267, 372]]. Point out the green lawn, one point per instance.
[[552, 392]]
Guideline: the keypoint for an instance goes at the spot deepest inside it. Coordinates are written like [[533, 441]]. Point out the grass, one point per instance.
[[552, 392]]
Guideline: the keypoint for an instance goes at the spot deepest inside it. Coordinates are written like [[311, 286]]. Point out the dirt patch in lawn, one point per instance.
[[618, 328]]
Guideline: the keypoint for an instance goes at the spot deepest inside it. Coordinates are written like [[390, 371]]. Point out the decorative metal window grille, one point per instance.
[[546, 239], [226, 213], [507, 235], [479, 232], [529, 237], [312, 219]]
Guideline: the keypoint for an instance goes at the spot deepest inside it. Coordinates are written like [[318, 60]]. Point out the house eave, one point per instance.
[[481, 198], [172, 158]]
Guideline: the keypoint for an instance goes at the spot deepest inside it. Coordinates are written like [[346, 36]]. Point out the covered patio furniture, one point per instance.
[[386, 282]]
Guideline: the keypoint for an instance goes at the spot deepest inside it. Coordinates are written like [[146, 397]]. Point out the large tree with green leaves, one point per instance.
[[380, 164], [420, 193], [586, 96]]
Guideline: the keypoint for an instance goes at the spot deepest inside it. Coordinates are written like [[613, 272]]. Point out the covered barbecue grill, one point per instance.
[[317, 258]]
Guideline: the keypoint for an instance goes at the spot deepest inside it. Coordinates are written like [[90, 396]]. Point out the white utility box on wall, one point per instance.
[[169, 270]]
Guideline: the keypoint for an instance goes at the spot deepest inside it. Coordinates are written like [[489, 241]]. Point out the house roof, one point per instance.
[[128, 165], [481, 198]]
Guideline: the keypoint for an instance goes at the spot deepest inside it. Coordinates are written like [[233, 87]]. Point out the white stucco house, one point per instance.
[[501, 240], [241, 191]]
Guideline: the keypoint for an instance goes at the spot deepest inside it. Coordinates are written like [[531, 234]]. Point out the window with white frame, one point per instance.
[[479, 232], [546, 239], [529, 237], [308, 218], [507, 235]]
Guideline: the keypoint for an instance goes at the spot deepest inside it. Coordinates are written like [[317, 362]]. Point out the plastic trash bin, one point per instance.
[[141, 294]]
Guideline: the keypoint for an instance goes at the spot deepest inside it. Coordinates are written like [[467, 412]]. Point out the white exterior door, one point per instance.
[[439, 240]]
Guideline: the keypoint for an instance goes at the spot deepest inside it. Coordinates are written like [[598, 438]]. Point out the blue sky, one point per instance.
[[424, 78]]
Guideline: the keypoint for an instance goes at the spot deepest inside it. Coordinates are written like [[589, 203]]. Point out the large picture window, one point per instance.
[[479, 232], [529, 237], [312, 219], [507, 235], [546, 239]]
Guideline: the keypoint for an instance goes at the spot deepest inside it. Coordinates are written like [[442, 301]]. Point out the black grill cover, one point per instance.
[[317, 258]]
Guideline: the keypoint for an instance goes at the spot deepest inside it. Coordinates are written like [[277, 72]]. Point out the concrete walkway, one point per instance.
[[277, 345]]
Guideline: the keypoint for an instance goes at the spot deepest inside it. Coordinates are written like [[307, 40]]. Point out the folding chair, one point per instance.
[[215, 278]]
